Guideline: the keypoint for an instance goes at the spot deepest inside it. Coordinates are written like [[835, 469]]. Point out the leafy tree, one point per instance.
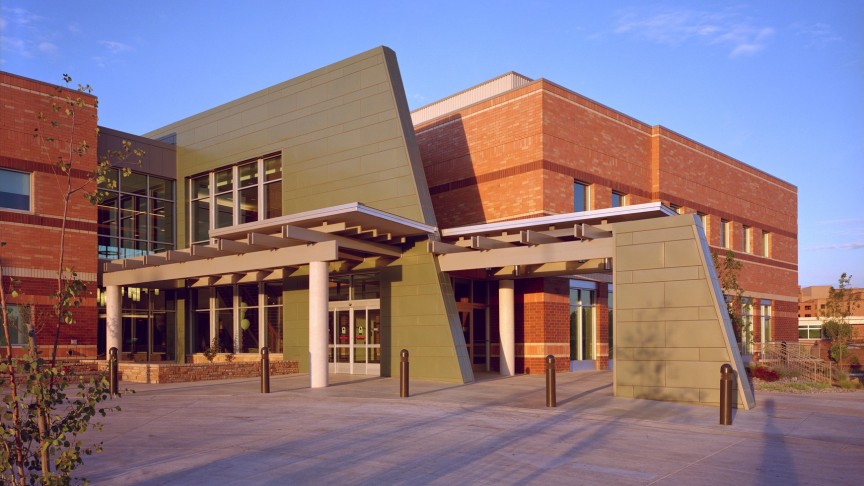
[[841, 303], [728, 270], [41, 418]]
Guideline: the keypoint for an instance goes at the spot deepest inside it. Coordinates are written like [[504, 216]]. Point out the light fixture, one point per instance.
[[244, 324]]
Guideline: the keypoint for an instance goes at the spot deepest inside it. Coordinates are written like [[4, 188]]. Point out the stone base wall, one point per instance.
[[181, 373]]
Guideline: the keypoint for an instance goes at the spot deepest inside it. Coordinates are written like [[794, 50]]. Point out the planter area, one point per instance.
[[180, 373]]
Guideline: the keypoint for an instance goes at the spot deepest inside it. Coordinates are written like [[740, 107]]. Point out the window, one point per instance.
[[243, 193], [675, 207], [19, 317], [809, 330], [242, 318], [581, 196], [703, 218], [136, 215], [14, 190], [808, 307], [766, 244], [618, 199], [746, 241], [724, 233], [582, 301], [765, 313], [746, 326]]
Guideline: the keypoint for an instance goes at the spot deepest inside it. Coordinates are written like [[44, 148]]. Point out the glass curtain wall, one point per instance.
[[230, 318], [136, 216], [148, 321], [243, 193]]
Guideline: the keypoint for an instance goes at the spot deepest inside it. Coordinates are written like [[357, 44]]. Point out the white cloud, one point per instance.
[[115, 47], [13, 45], [838, 246], [729, 29], [819, 34], [844, 221], [47, 48], [74, 28], [19, 16]]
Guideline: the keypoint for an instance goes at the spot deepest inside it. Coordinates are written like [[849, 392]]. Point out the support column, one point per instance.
[[113, 320], [507, 327], [318, 296]]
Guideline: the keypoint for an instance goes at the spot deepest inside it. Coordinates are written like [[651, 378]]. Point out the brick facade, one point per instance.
[[517, 155], [32, 237]]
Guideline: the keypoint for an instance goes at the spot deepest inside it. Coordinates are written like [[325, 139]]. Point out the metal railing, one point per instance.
[[796, 357]]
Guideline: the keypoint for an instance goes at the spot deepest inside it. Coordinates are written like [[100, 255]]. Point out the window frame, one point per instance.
[[30, 187], [766, 244], [140, 237], [237, 187], [746, 239], [724, 233], [18, 333], [622, 199], [586, 196]]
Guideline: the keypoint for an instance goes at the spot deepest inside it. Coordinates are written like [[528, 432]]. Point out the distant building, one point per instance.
[[811, 309]]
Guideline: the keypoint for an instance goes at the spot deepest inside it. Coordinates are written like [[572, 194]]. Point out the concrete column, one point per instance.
[[507, 327], [114, 320], [318, 296]]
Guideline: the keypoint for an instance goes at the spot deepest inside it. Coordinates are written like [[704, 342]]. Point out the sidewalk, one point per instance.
[[494, 431]]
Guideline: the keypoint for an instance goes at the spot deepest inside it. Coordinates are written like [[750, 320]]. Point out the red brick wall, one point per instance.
[[32, 238], [517, 154]]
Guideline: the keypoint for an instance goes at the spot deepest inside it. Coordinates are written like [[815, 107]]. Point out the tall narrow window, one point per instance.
[[675, 207], [766, 244], [618, 199], [581, 194], [765, 313], [746, 326], [19, 319], [703, 218], [746, 241], [14, 190], [724, 233]]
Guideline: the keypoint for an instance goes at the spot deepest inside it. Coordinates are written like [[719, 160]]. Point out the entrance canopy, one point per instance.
[[557, 245], [247, 252]]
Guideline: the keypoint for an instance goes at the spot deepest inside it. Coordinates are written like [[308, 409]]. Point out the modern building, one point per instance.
[[486, 231]]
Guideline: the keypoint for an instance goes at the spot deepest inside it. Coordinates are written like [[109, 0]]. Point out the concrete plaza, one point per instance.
[[494, 431]]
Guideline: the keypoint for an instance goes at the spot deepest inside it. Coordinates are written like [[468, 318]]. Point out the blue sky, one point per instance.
[[776, 84]]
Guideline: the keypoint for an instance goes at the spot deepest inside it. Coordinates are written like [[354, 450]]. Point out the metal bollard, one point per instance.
[[727, 393], [551, 400], [112, 371], [265, 370], [403, 374]]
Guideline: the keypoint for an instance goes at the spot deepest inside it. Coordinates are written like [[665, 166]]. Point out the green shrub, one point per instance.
[[787, 372]]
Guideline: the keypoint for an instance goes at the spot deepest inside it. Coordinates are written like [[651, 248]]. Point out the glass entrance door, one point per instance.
[[355, 339]]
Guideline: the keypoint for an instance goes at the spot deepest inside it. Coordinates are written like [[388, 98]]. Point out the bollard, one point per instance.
[[727, 393], [265, 370], [112, 371], [550, 381], [403, 374]]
